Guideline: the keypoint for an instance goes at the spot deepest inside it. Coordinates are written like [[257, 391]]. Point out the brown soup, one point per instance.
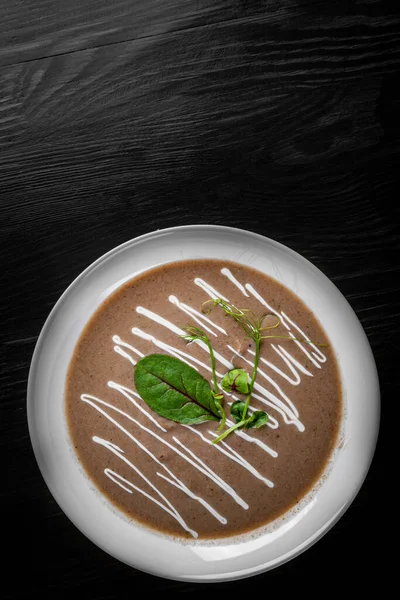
[[171, 477]]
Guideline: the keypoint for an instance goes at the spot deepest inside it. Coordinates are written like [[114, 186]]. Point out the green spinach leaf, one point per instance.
[[175, 390]]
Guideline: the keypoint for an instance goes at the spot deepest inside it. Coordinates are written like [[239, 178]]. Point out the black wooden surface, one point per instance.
[[118, 118]]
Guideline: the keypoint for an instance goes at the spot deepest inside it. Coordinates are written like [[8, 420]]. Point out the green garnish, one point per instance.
[[253, 327], [257, 419], [178, 392], [192, 334], [236, 380], [174, 390]]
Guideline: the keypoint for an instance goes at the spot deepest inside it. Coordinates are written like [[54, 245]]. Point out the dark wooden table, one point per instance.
[[118, 118]]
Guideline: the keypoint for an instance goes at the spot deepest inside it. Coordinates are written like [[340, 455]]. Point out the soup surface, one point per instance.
[[170, 476]]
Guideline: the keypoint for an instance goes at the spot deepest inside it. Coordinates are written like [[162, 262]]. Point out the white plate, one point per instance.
[[92, 514]]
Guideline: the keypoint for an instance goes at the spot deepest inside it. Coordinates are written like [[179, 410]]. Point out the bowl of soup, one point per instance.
[[194, 403]]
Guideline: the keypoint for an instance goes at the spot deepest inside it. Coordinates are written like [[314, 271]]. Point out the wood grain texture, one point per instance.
[[118, 118], [37, 28], [154, 105], [32, 29]]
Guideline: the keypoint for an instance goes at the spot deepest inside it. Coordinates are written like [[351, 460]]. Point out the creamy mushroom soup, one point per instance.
[[170, 476]]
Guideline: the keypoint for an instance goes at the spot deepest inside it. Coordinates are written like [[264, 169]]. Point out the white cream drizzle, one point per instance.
[[314, 357], [184, 356], [124, 354], [290, 361], [117, 340], [130, 394], [116, 478], [289, 413], [320, 356], [197, 316], [283, 405], [233, 279], [212, 292], [118, 349], [292, 410], [161, 321], [242, 461], [168, 507], [94, 401], [232, 454]]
